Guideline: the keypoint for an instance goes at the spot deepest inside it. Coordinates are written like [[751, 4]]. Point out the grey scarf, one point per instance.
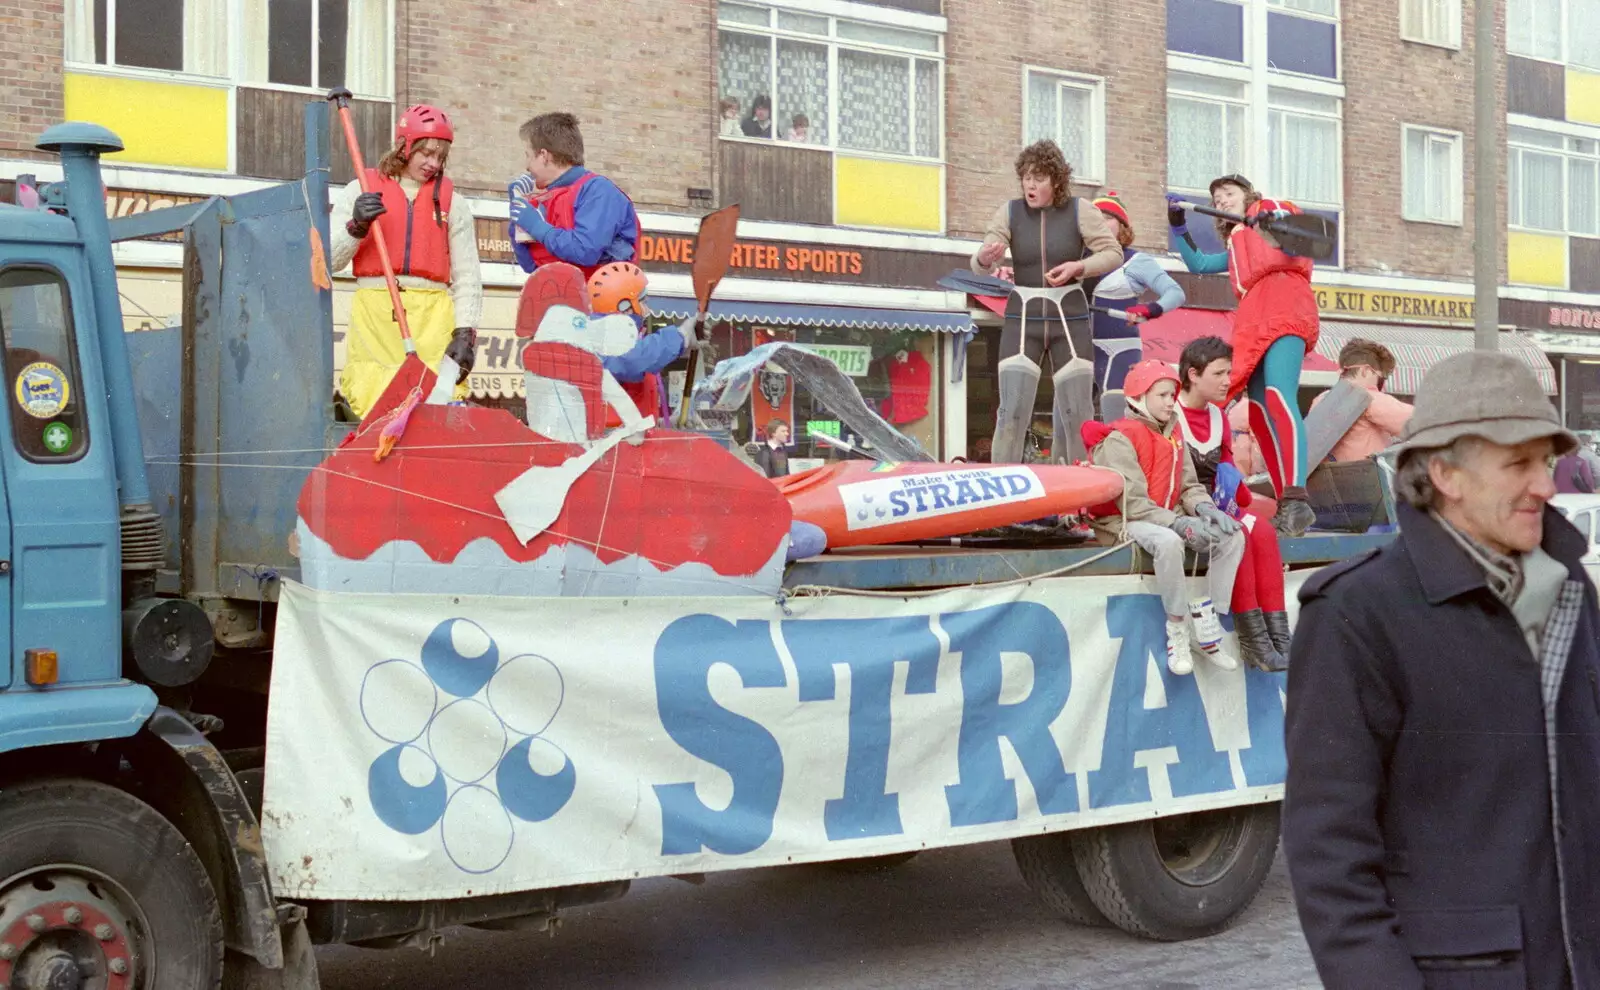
[[1503, 573]]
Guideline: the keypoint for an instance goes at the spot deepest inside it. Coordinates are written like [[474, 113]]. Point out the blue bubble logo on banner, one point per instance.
[[468, 746]]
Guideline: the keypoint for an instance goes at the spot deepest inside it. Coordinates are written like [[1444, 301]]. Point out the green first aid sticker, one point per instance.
[[58, 438]]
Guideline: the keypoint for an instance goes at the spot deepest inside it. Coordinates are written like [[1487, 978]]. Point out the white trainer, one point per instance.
[[1178, 659]]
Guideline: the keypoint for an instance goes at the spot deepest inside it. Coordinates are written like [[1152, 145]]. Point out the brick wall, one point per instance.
[[990, 41], [1390, 82], [639, 77], [31, 47]]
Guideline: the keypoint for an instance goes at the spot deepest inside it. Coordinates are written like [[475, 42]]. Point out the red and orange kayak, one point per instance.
[[858, 503]]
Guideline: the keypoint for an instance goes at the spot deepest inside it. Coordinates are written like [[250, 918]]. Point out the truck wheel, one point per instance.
[[1179, 877], [98, 890], [1049, 870]]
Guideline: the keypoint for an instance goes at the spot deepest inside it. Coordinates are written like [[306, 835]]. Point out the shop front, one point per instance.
[[1569, 336], [900, 361]]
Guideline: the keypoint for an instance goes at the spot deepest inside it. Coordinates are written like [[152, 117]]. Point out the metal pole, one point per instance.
[[1486, 179]]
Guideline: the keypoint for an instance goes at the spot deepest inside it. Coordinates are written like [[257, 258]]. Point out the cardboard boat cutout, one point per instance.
[[592, 499]]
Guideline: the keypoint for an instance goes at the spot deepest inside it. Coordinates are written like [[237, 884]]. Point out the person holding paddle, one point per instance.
[[431, 237], [1274, 326]]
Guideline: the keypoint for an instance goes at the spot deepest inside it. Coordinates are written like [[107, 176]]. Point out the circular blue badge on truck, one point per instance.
[[42, 390]]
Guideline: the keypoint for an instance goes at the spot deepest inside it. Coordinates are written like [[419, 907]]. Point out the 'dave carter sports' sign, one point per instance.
[[444, 746]]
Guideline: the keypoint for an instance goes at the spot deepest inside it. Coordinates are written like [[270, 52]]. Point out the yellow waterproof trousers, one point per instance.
[[373, 351]]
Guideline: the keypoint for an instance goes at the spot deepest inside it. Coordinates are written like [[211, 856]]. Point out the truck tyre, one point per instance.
[[1050, 871], [1179, 877], [96, 886]]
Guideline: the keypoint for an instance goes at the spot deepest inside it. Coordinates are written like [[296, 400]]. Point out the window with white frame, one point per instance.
[[1431, 168], [831, 81], [318, 44], [1432, 22], [1206, 127], [1555, 30], [311, 44], [1305, 159], [169, 35], [1069, 110], [1553, 182], [1325, 8]]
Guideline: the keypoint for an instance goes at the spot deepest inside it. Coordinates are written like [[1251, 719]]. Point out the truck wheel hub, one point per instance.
[[69, 928]]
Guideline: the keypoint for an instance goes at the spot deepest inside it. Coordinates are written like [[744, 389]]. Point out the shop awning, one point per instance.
[[834, 317], [1416, 349]]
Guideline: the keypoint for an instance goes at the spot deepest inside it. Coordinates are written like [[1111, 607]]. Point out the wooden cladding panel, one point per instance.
[[777, 182], [271, 134], [1538, 89]]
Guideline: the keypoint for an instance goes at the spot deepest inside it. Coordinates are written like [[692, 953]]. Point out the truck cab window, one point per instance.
[[43, 388]]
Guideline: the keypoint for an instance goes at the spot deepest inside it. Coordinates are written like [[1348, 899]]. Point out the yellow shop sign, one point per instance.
[[1383, 304]]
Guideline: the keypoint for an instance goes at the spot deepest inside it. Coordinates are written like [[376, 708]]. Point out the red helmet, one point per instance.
[[1143, 376], [422, 121]]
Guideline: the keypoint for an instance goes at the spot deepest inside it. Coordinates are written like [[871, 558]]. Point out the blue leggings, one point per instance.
[[1274, 391]]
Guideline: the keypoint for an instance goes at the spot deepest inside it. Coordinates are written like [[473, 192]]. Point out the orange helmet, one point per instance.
[[1143, 376], [618, 288]]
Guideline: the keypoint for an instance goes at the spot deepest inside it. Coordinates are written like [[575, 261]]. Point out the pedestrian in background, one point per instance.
[[772, 457], [1368, 364], [1443, 715]]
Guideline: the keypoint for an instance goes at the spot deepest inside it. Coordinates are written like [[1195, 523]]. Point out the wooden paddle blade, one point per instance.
[[1306, 235], [713, 252]]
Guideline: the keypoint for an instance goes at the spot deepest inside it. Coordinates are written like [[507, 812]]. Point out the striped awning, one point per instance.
[[835, 317], [1416, 349]]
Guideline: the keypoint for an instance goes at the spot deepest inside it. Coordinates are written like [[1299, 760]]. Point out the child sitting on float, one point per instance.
[[1164, 509]]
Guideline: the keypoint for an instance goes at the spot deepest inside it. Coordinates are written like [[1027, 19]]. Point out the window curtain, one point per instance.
[[1429, 19], [802, 88], [1583, 33], [254, 31], [1305, 153], [929, 118], [1541, 188], [78, 18], [1042, 112], [1582, 214], [744, 68], [366, 47], [205, 37], [1533, 27], [1195, 139], [874, 98]]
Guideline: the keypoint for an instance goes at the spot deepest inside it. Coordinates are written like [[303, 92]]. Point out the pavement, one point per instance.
[[956, 918]]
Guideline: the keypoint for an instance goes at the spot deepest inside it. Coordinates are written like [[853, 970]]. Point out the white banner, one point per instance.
[[426, 747]]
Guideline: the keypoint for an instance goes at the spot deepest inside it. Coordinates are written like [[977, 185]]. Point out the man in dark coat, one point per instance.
[[1442, 809]]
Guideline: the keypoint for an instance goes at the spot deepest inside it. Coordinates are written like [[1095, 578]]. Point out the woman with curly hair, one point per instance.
[[1274, 326], [1052, 243]]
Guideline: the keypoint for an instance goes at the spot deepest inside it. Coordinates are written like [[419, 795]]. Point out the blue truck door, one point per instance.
[[65, 535]]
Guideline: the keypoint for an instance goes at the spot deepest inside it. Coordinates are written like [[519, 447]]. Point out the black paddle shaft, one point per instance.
[[1303, 234]]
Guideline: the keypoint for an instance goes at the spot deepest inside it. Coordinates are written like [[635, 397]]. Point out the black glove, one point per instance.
[[1175, 214], [462, 349], [368, 207]]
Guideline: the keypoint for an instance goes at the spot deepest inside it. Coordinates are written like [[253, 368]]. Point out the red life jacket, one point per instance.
[[1161, 459], [645, 393], [561, 210], [419, 242], [1251, 258]]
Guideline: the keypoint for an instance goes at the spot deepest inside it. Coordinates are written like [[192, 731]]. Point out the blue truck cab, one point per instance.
[[60, 523]]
